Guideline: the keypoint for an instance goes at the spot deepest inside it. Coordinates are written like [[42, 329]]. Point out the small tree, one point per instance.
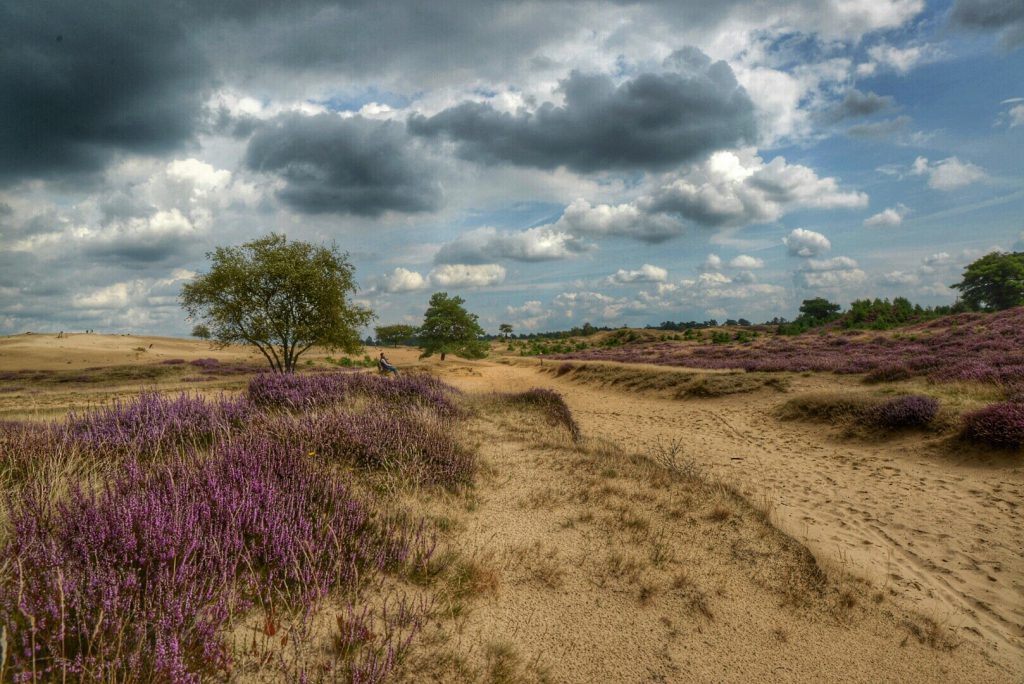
[[505, 329], [201, 331], [449, 329], [993, 282], [819, 309], [281, 297], [394, 335]]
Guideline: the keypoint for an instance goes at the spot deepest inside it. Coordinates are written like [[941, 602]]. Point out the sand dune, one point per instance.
[[944, 535]]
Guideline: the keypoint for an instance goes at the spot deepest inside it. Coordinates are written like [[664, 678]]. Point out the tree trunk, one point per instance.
[[442, 356]]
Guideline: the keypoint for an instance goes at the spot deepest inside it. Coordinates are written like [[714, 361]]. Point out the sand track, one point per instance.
[[944, 536]]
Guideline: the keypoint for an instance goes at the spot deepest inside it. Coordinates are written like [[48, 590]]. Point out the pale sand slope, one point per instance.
[[947, 537], [75, 351]]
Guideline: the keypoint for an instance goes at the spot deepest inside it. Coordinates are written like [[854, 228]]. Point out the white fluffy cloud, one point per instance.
[[467, 275], [484, 245], [403, 280], [829, 274], [713, 262], [445, 275], [645, 274], [887, 218], [806, 243], [903, 59], [948, 174], [746, 262], [626, 220], [736, 188]]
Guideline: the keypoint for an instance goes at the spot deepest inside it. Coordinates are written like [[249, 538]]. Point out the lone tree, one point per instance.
[[394, 335], [449, 329], [819, 309], [281, 297], [993, 282], [505, 329], [201, 331]]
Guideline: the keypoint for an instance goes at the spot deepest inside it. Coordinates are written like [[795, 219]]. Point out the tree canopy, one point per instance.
[[449, 329], [505, 329], [394, 335], [993, 282], [819, 309], [281, 297]]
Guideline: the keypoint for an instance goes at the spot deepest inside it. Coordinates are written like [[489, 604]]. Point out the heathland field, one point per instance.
[[169, 513]]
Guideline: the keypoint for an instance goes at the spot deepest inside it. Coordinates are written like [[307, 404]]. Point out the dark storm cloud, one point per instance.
[[652, 121], [1003, 16], [346, 166], [81, 82], [858, 104]]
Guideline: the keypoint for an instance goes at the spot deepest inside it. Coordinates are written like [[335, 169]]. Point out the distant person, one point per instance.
[[385, 366]]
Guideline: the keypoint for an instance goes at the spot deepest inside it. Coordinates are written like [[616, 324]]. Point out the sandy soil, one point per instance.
[[944, 534], [932, 533], [75, 351]]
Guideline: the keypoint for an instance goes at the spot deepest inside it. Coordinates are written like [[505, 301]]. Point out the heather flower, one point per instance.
[[999, 425]]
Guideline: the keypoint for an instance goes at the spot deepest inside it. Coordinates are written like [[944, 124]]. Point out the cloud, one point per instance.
[[330, 164], [531, 315], [903, 59], [1005, 17], [487, 245], [1016, 115], [467, 275], [806, 243], [858, 104], [403, 280], [887, 218], [738, 188], [83, 83], [645, 274], [879, 129], [626, 220], [898, 279], [713, 262], [837, 273], [948, 174], [746, 262], [651, 121]]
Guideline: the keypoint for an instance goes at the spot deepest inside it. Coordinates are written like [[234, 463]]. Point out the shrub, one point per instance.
[[564, 368], [1000, 425], [889, 373], [137, 581], [904, 412]]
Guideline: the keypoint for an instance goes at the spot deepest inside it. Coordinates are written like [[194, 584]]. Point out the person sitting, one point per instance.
[[385, 366]]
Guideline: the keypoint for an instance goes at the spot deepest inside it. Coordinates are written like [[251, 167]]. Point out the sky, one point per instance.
[[615, 162]]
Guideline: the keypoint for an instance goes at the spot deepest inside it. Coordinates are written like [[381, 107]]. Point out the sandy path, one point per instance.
[[946, 537]]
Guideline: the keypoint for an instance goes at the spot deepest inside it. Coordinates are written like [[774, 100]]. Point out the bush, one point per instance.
[[910, 411], [564, 368], [137, 581], [999, 425]]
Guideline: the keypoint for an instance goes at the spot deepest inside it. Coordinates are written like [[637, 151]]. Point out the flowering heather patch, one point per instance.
[[136, 581], [149, 424], [1000, 425], [410, 440], [968, 347], [913, 410], [551, 403], [305, 391]]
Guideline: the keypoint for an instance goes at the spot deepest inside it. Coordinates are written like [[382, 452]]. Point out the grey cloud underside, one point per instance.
[[859, 104], [80, 83], [1003, 16], [653, 121], [879, 129], [345, 166]]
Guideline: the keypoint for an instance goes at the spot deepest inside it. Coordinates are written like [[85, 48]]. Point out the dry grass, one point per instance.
[[669, 382]]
